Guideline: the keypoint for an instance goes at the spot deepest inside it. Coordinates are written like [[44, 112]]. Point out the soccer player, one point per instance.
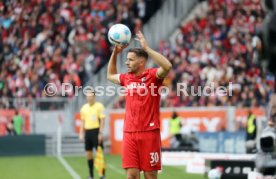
[[141, 135], [92, 117]]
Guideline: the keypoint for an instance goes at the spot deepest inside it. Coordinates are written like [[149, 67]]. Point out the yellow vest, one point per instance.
[[250, 124], [175, 126]]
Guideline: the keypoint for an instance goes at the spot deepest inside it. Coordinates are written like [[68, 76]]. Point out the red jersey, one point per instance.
[[142, 101]]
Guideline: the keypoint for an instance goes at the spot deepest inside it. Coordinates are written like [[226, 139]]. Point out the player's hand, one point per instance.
[[100, 138], [141, 38], [119, 48], [81, 137]]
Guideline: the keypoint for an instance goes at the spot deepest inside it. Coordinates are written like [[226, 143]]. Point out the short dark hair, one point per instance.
[[90, 91], [139, 52]]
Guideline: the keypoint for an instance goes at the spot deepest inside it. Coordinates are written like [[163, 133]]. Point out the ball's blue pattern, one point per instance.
[[127, 31], [116, 36]]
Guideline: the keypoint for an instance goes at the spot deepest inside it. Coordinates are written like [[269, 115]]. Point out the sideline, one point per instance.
[[68, 168]]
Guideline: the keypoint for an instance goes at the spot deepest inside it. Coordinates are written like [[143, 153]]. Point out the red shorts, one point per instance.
[[142, 150]]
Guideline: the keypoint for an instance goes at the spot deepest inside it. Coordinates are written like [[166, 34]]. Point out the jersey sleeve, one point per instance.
[[153, 73], [122, 79], [101, 111]]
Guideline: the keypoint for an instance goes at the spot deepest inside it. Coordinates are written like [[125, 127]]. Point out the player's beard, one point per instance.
[[131, 69]]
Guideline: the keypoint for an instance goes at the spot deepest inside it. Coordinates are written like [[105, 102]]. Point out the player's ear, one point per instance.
[[142, 61]]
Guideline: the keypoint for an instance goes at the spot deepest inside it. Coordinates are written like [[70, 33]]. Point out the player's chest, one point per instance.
[[141, 84]]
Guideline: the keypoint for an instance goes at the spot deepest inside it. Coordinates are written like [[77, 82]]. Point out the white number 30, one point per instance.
[[154, 157]]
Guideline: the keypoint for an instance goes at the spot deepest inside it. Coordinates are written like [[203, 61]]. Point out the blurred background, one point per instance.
[[226, 43]]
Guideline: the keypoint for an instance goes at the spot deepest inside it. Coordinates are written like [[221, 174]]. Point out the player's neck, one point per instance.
[[91, 103], [140, 71]]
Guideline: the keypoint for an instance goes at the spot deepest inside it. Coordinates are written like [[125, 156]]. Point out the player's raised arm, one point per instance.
[[112, 74], [163, 62]]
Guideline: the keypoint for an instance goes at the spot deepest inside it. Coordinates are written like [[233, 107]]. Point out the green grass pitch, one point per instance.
[[50, 168]]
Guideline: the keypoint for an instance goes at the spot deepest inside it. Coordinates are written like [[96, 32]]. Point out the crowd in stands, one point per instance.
[[44, 41], [49, 41], [221, 47]]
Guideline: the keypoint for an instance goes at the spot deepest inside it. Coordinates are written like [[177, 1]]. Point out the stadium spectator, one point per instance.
[[251, 132], [220, 48], [175, 129], [10, 128], [18, 123], [50, 41]]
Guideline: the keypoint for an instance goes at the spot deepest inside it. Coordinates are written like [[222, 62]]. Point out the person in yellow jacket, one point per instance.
[[175, 127], [251, 132], [91, 132]]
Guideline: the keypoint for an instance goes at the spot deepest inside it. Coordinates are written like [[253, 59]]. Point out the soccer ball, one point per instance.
[[119, 34], [214, 174]]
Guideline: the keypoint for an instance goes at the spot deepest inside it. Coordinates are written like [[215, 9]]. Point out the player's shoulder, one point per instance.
[[99, 105], [84, 107], [151, 70], [125, 74]]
